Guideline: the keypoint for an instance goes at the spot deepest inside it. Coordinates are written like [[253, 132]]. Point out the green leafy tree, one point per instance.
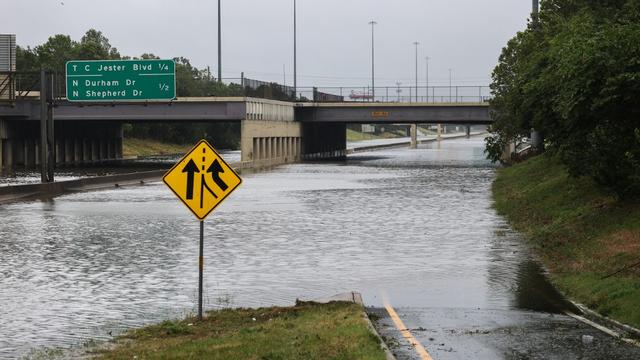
[[574, 74]]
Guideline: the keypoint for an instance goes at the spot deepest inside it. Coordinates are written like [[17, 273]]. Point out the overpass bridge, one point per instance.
[[272, 132]]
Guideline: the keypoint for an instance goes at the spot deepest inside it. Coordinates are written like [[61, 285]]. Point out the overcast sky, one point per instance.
[[334, 39]]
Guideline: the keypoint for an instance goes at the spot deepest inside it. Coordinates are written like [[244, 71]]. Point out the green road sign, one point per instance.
[[121, 80]]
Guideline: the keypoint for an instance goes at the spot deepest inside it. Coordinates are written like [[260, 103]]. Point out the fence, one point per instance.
[[19, 85], [404, 94]]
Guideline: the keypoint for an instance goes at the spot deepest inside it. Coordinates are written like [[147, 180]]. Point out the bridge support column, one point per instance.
[[439, 132], [263, 142], [414, 136], [8, 153], [30, 151]]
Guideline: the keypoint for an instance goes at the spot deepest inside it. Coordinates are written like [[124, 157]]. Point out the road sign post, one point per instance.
[[202, 180], [121, 80]]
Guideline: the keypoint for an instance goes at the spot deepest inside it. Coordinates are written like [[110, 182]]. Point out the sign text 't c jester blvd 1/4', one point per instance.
[[121, 80]]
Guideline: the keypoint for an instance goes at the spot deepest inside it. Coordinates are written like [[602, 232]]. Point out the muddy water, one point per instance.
[[416, 225]]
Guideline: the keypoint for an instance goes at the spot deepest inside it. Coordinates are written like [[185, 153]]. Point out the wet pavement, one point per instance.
[[415, 226]]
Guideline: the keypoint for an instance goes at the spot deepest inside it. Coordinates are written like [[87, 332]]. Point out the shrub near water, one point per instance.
[[581, 233]]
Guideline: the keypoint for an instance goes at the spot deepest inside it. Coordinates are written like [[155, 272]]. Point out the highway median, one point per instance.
[[308, 330]]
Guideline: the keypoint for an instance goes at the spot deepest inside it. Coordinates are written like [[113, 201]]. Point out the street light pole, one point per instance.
[[373, 68], [295, 52], [427, 77], [416, 44], [219, 42], [450, 85]]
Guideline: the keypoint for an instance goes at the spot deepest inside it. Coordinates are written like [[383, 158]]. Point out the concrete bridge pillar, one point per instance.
[[263, 142], [414, 136], [8, 153], [30, 153], [439, 131]]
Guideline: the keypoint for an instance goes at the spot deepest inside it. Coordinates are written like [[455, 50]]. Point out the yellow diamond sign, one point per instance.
[[202, 179]]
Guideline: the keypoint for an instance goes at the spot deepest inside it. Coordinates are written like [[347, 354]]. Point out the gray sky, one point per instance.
[[334, 39]]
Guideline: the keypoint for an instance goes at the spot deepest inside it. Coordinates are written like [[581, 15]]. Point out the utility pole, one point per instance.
[[373, 68], [398, 91], [537, 138], [295, 54], [427, 77], [416, 44], [219, 42]]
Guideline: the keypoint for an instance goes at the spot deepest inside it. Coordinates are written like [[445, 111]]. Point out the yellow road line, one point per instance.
[[424, 355]]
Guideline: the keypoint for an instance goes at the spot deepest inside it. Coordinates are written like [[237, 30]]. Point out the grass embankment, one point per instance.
[[581, 234], [145, 147], [306, 331]]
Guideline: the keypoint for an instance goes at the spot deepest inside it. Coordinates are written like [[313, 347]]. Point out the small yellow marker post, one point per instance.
[[202, 180]]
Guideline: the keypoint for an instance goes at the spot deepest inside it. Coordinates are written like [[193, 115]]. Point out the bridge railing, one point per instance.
[[403, 94], [20, 85]]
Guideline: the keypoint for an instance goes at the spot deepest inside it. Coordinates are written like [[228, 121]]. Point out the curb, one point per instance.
[[624, 332], [356, 298]]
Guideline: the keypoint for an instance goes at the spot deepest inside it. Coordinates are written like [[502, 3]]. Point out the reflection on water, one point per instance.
[[416, 225]]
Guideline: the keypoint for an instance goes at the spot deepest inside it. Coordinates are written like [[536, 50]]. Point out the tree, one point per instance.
[[95, 46], [575, 75]]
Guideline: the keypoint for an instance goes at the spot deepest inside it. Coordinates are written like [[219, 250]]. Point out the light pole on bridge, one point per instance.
[[416, 44], [450, 72], [373, 68], [219, 42], [427, 76], [295, 52]]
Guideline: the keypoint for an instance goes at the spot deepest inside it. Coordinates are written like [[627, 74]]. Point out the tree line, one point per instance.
[[190, 81], [574, 75]]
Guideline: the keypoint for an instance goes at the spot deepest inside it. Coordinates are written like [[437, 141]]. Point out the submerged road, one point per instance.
[[414, 228]]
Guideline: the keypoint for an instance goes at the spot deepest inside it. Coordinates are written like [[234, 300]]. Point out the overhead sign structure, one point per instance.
[[121, 80], [202, 179]]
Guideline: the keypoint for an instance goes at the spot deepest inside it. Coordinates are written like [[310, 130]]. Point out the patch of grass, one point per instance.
[[147, 147], [306, 331], [581, 234]]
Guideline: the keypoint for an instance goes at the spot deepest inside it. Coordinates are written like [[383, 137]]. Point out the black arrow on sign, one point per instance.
[[191, 169], [216, 169]]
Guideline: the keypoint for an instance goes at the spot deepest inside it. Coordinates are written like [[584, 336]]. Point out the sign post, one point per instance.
[[202, 180], [121, 80]]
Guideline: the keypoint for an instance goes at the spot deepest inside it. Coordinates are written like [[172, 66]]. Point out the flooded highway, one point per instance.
[[413, 226]]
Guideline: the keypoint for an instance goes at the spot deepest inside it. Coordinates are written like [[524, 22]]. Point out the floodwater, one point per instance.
[[416, 226]]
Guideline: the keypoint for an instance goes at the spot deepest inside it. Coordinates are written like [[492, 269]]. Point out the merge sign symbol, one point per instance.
[[202, 179]]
